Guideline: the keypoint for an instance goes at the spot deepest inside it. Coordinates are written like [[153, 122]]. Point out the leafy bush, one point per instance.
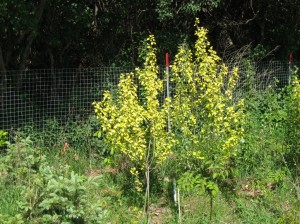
[[293, 126], [3, 138], [71, 140], [265, 130], [78, 134], [49, 194], [61, 196], [133, 127], [206, 119], [21, 161], [207, 122]]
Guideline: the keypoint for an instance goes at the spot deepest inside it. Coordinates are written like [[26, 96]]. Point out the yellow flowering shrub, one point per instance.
[[292, 154], [136, 127], [295, 101], [208, 121]]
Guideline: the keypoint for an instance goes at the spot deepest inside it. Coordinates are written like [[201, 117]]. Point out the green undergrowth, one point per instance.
[[39, 186], [262, 193], [210, 154]]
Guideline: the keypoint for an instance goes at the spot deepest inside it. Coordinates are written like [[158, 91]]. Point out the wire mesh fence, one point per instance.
[[36, 95]]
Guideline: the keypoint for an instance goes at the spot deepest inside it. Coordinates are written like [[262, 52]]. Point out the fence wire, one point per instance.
[[37, 95]]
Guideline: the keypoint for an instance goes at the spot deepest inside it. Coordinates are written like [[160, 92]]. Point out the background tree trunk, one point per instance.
[[30, 38]]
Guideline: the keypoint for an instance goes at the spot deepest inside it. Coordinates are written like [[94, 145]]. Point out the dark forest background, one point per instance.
[[93, 33]]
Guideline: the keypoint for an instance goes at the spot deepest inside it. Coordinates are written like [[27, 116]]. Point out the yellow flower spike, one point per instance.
[[123, 117], [203, 102]]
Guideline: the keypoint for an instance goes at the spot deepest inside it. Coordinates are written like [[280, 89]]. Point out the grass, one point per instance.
[[10, 195], [278, 205], [260, 190]]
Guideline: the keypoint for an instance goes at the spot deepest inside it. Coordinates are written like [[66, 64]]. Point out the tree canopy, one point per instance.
[[69, 33]]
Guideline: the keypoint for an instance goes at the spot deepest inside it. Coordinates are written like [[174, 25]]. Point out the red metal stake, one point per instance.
[[167, 60]]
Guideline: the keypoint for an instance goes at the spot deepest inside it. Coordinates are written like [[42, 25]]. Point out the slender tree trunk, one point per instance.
[[29, 41], [147, 198], [30, 38], [51, 59], [62, 54], [211, 209], [2, 62], [262, 25], [24, 55], [3, 75], [54, 82], [147, 193]]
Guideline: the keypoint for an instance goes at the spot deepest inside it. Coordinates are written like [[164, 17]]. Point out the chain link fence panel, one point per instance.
[[34, 96]]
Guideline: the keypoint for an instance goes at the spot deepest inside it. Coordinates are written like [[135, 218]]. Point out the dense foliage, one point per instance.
[[209, 142], [133, 127], [206, 140], [54, 34]]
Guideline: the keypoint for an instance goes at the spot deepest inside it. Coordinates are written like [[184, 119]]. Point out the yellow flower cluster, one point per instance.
[[293, 120], [122, 119], [206, 120], [204, 111], [295, 101], [137, 128]]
